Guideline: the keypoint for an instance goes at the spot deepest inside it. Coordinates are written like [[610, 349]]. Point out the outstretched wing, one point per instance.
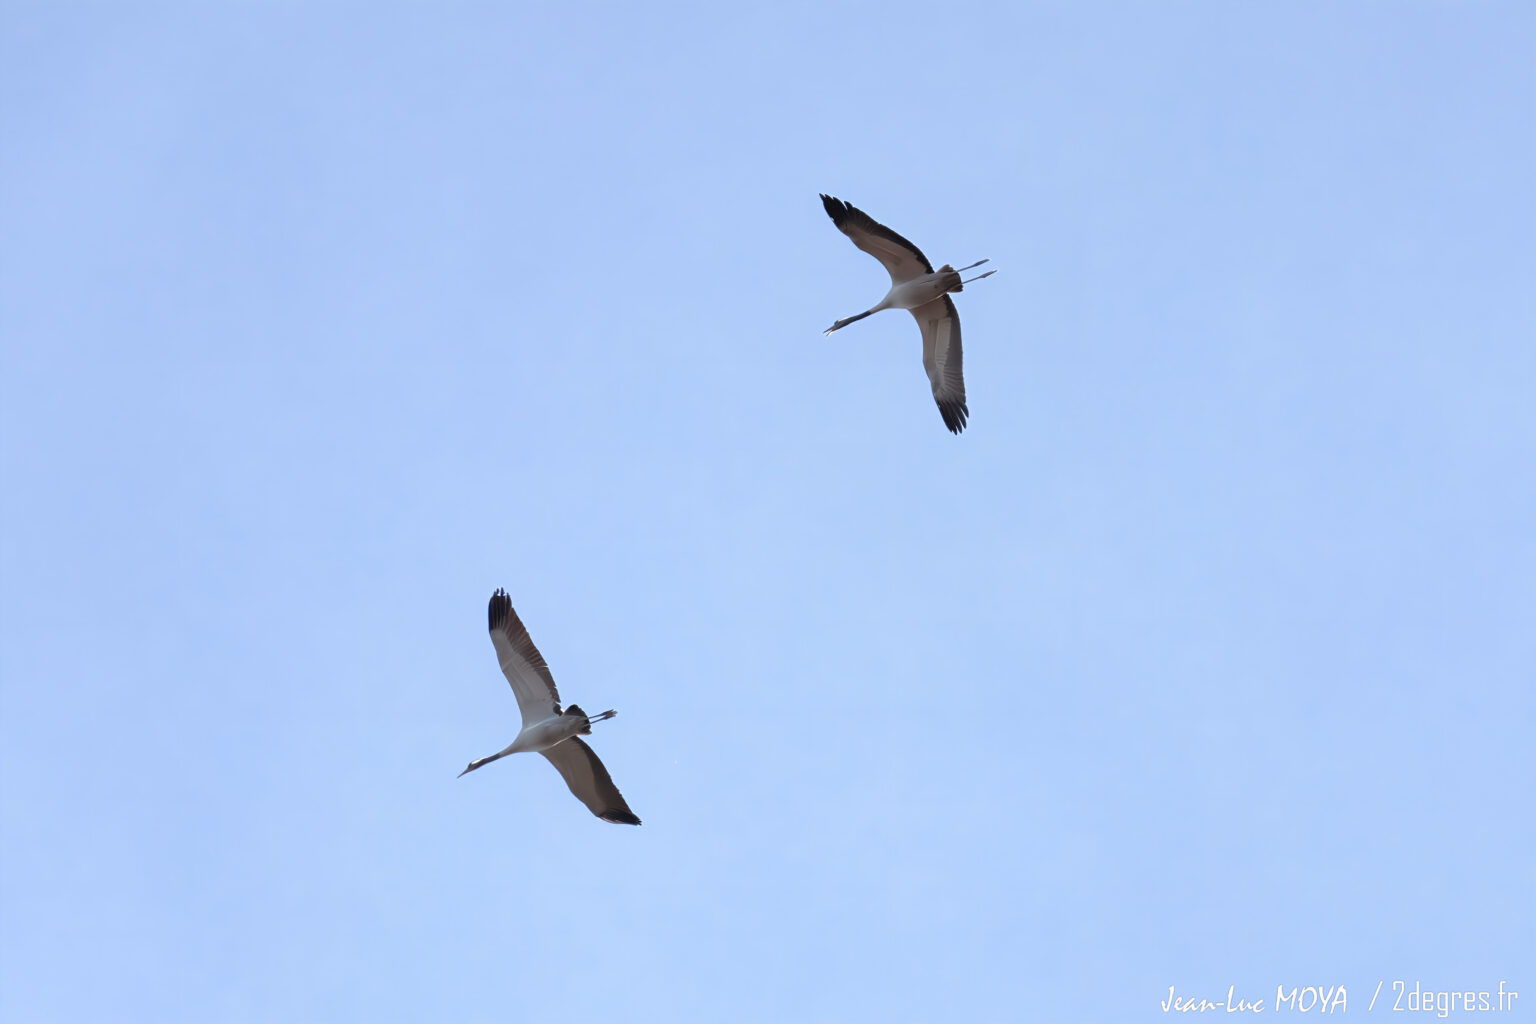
[[522, 663], [901, 258], [941, 358], [590, 781]]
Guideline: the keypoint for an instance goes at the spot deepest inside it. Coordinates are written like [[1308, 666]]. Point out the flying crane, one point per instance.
[[915, 286], [546, 729]]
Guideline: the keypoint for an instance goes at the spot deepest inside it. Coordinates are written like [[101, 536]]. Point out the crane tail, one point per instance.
[[586, 730]]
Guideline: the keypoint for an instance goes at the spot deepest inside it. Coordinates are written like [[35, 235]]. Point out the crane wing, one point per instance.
[[537, 697], [590, 781], [940, 325], [901, 258]]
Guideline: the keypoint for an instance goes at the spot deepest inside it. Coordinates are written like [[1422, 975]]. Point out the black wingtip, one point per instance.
[[500, 608], [955, 416], [620, 817], [836, 208]]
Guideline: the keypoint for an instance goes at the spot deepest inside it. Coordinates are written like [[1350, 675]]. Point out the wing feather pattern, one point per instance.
[[590, 781], [521, 662], [942, 359], [901, 258]]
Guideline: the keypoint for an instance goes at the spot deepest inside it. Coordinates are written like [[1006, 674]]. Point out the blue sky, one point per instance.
[[1203, 658]]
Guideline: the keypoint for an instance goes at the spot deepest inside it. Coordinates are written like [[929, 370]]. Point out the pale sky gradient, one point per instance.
[[1205, 657]]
